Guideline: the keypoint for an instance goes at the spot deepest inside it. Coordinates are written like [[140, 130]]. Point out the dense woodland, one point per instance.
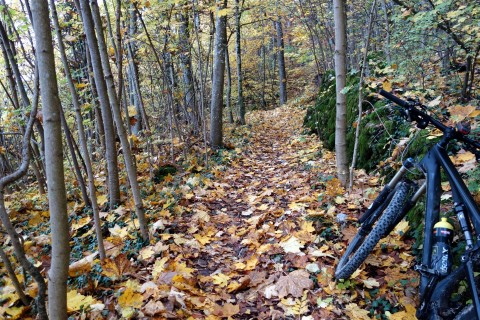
[[153, 162]]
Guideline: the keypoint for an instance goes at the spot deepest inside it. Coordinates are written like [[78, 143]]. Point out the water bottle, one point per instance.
[[441, 255]]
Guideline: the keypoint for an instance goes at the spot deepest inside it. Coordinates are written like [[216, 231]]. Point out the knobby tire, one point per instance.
[[361, 246]]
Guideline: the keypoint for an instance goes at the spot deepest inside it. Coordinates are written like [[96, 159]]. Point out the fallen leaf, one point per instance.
[[117, 267], [130, 299], [221, 279], [77, 301], [355, 312], [227, 310], [293, 283], [291, 245]]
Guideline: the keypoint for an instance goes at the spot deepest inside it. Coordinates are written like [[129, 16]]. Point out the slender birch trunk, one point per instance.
[[340, 80], [282, 73], [360, 92]]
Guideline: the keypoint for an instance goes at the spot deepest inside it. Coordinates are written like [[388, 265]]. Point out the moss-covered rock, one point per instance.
[[380, 129]]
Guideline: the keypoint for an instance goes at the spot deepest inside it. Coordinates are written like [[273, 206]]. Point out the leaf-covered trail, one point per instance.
[[257, 220], [259, 256]]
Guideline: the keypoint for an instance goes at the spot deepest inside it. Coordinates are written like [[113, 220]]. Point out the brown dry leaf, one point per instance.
[[82, 266], [153, 307], [227, 310], [117, 267], [459, 112], [293, 283]]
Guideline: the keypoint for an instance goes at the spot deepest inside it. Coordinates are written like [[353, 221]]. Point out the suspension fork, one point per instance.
[[407, 164]]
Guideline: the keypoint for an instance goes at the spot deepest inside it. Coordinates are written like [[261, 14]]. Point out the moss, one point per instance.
[[162, 171], [320, 119]]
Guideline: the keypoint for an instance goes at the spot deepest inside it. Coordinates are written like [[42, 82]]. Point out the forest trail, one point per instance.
[[256, 218], [268, 237]]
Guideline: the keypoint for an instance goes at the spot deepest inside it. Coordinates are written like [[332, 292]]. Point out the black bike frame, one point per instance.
[[435, 159]]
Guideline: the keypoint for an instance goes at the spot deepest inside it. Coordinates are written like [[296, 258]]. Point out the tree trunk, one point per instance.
[[127, 153], [386, 45], [238, 51], [186, 66], [13, 277], [340, 80], [110, 147], [216, 106], [360, 92], [81, 134], [228, 98], [134, 95], [57, 200], [281, 62]]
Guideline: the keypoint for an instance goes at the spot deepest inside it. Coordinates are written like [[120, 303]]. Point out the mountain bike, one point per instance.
[[443, 288]]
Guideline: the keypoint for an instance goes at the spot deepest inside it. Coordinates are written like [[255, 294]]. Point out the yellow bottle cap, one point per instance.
[[443, 223]]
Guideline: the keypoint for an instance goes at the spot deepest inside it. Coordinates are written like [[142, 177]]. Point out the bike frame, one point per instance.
[[468, 214]]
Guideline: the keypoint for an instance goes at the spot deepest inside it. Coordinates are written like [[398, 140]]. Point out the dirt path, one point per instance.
[[256, 208], [260, 258]]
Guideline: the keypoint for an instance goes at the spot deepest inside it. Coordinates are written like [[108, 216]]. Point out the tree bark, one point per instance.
[[238, 51], [186, 66], [57, 200], [340, 80], [228, 98], [216, 106], [360, 92], [13, 277], [110, 147], [122, 134], [282, 73], [81, 134]]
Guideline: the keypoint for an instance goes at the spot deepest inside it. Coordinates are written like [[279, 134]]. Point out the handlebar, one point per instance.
[[424, 119]]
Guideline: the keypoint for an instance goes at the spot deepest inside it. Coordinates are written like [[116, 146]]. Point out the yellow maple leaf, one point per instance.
[[203, 239], [296, 206], [240, 265], [77, 301], [80, 223], [146, 253], [387, 85], [263, 207], [251, 263], [307, 226], [182, 269], [459, 112], [15, 312], [102, 199], [159, 267], [463, 157], [132, 111], [130, 299], [118, 231], [221, 279], [355, 312]]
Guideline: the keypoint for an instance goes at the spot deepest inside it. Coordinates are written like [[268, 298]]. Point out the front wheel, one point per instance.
[[370, 233]]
